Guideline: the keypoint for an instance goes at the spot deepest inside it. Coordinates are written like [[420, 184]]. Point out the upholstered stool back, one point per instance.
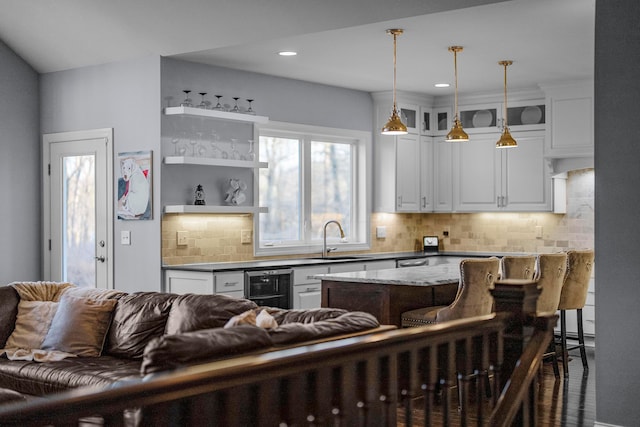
[[576, 282], [518, 267], [477, 277], [550, 272]]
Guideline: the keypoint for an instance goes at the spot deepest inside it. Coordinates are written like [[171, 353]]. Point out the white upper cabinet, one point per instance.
[[515, 179], [570, 129]]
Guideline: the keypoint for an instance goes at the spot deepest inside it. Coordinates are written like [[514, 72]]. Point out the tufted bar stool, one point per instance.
[[550, 274], [574, 297], [518, 267], [473, 298]]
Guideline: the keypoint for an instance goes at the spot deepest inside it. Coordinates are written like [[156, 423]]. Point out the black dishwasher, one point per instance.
[[270, 288]]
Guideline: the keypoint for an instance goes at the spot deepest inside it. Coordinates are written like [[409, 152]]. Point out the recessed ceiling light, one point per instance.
[[287, 53], [442, 85]]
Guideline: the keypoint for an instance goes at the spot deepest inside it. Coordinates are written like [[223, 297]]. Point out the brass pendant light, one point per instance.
[[394, 126], [456, 134], [506, 140]]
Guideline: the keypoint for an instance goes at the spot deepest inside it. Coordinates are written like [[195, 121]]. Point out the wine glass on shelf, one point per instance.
[[216, 152], [236, 109], [218, 105], [203, 104], [250, 110], [251, 155], [187, 102], [235, 154]]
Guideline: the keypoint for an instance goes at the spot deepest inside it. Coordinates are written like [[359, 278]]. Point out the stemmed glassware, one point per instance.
[[251, 155], [250, 110], [218, 105], [216, 152], [235, 154], [236, 109], [203, 104], [187, 102]]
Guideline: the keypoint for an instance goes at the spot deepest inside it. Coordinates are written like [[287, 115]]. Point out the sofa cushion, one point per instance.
[[137, 319], [190, 348], [331, 322], [38, 379], [32, 324], [79, 326], [8, 312], [191, 312]]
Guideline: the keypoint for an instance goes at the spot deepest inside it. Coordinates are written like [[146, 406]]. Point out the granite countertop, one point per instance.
[[414, 276], [310, 261]]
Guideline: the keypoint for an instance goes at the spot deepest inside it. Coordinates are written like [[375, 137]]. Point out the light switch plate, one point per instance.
[[245, 236], [381, 232], [181, 237], [125, 237]]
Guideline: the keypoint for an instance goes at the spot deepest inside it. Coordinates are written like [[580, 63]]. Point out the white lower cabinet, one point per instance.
[[307, 293], [188, 282], [231, 283], [487, 179], [204, 283]]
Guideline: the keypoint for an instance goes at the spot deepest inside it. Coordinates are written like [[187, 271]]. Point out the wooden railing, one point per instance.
[[434, 375]]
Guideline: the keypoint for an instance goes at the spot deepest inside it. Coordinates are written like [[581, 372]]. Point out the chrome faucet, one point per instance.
[[326, 251]]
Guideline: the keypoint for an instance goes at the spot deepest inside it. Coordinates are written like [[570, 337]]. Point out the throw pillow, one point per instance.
[[79, 326], [263, 319], [32, 324]]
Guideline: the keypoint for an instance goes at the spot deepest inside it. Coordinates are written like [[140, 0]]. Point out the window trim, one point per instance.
[[362, 200]]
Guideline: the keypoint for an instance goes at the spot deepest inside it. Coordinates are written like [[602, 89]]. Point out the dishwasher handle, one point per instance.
[[412, 262]]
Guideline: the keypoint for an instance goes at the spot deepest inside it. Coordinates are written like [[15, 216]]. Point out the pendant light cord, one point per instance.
[[395, 108], [455, 73]]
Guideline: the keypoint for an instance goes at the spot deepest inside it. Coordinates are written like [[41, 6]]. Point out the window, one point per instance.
[[314, 175]]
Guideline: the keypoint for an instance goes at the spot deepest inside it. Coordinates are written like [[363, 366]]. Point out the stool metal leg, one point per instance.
[[583, 351], [563, 342]]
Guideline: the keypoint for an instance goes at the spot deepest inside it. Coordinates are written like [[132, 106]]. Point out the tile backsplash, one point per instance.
[[217, 238]]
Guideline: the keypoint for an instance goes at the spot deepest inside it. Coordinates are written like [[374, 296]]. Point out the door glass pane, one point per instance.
[[79, 222], [331, 186], [280, 190]]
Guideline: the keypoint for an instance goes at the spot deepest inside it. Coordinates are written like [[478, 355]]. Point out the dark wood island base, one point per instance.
[[386, 301]]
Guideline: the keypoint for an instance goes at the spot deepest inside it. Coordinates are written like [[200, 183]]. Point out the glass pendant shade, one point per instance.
[[394, 125], [506, 140], [456, 134]]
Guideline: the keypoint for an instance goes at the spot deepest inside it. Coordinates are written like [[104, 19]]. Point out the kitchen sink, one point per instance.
[[342, 257]]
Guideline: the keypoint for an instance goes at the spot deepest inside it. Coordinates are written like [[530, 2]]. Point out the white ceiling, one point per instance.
[[340, 42]]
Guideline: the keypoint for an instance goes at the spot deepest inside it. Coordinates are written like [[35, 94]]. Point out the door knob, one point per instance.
[[101, 258]]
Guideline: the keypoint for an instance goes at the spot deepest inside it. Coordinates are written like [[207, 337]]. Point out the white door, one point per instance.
[[78, 207]]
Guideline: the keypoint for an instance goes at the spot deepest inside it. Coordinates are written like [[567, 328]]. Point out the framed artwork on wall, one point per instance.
[[134, 201]]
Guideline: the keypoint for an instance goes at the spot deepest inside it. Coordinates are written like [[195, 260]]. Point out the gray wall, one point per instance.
[[124, 96], [19, 170], [617, 153], [280, 99]]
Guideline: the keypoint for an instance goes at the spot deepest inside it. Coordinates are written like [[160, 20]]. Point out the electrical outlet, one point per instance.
[[181, 237], [538, 232], [381, 232], [245, 236]]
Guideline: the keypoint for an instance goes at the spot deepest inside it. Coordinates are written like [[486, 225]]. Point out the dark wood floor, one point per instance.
[[567, 401]]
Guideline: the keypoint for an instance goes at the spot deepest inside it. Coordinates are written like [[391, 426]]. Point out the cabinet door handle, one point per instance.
[[424, 202], [312, 289], [228, 284], [399, 201]]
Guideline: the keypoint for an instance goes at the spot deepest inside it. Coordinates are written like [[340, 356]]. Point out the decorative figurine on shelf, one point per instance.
[[199, 196], [235, 192]]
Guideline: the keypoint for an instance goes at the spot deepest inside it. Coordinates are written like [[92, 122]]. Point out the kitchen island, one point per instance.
[[388, 293]]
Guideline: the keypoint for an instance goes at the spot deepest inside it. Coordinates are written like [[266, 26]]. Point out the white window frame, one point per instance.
[[362, 178]]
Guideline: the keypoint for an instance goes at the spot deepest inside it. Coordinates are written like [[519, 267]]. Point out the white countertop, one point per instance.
[[414, 276]]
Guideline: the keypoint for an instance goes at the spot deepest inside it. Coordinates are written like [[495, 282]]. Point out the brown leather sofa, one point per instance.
[[151, 332]]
